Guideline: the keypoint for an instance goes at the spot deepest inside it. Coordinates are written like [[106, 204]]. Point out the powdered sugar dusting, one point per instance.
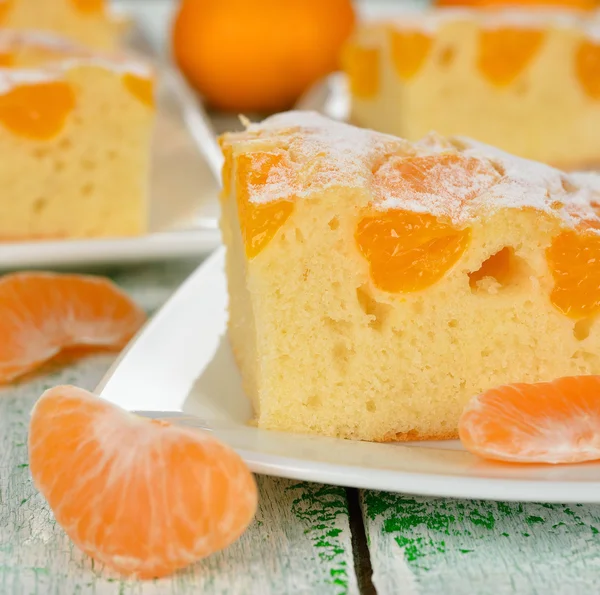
[[72, 56], [429, 21], [320, 154], [456, 179], [440, 184]]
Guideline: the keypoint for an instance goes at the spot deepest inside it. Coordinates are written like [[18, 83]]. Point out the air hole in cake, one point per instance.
[[334, 223], [341, 327], [446, 57], [376, 311], [500, 271], [59, 166], [112, 155], [87, 189], [65, 143], [453, 323], [371, 407], [418, 307], [557, 205], [586, 359], [299, 236], [39, 205], [40, 153], [342, 355], [88, 164], [582, 328], [313, 402]]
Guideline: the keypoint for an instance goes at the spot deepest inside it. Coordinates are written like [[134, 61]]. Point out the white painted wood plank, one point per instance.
[[300, 541], [423, 546]]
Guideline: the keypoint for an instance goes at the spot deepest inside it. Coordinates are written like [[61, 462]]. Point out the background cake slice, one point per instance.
[[88, 22], [525, 80], [75, 137], [376, 285]]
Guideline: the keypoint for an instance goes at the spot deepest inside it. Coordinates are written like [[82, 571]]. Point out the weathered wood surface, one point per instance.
[[427, 546], [299, 543]]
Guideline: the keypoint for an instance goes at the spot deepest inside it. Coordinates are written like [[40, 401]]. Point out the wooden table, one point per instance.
[[306, 538]]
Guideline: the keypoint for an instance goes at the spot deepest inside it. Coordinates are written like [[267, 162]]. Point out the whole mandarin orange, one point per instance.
[[575, 4], [260, 55]]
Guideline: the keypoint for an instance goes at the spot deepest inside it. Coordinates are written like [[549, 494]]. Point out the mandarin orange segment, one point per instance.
[[44, 314], [362, 67], [5, 7], [410, 50], [260, 220], [142, 88], [6, 59], [587, 67], [142, 496], [504, 53], [574, 262], [38, 111], [409, 251], [547, 422], [88, 6]]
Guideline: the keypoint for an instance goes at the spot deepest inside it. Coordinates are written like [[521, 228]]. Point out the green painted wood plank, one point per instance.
[[300, 541], [422, 546]]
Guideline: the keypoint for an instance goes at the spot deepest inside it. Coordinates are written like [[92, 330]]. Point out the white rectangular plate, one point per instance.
[[180, 368], [184, 208]]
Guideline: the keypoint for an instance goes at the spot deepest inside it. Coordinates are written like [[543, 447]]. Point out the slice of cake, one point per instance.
[[375, 285], [85, 21], [527, 81], [75, 137]]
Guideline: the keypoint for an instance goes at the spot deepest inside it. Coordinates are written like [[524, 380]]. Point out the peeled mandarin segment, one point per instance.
[[362, 67], [260, 221], [6, 59], [38, 111], [410, 50], [574, 262], [409, 251], [454, 178], [5, 9], [588, 68], [42, 314], [141, 88], [146, 498], [88, 6], [504, 53], [547, 422]]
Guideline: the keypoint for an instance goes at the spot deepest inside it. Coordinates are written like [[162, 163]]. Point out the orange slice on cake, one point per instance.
[[142, 496], [546, 422]]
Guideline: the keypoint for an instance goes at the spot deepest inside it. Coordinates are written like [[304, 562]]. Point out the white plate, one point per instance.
[[184, 208], [180, 367]]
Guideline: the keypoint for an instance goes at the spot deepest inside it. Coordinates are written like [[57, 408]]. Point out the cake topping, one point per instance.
[[62, 56], [429, 21], [472, 179]]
